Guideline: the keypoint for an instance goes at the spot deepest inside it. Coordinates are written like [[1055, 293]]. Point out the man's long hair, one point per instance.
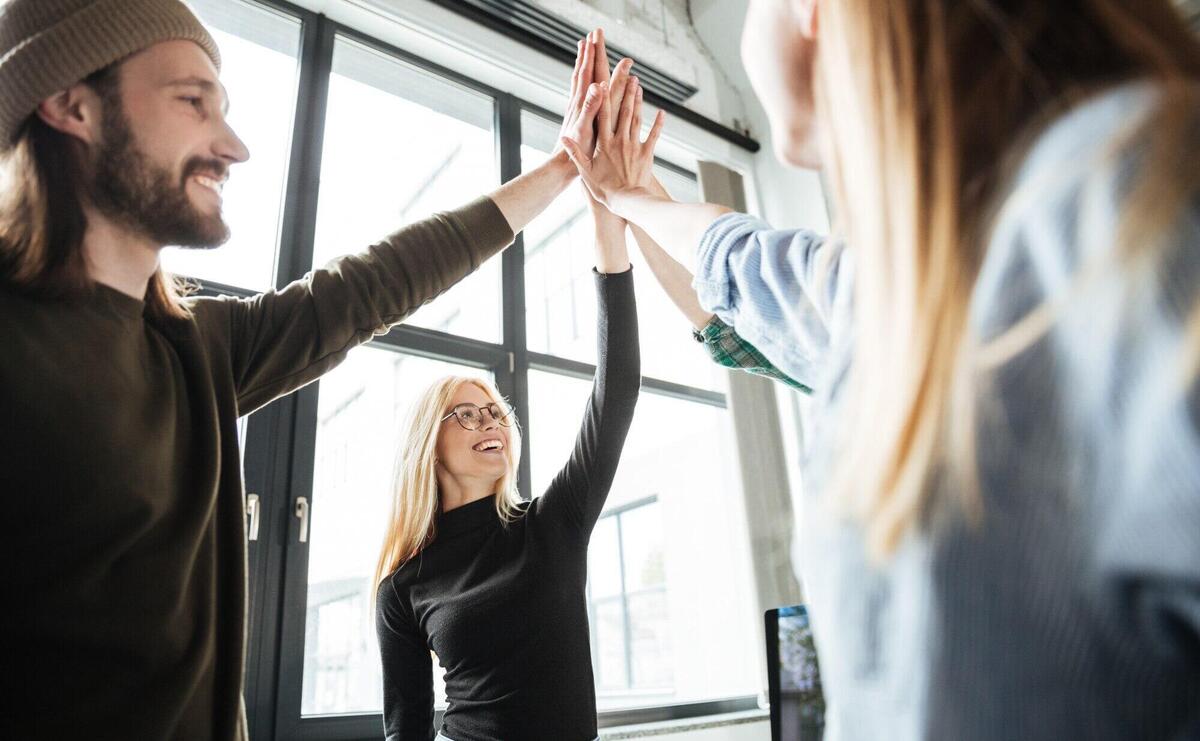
[[43, 181]]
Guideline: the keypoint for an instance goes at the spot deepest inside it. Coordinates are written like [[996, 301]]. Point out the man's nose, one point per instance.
[[230, 147]]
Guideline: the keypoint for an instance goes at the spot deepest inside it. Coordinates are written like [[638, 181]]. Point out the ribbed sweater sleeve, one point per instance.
[[579, 490], [281, 340], [407, 670]]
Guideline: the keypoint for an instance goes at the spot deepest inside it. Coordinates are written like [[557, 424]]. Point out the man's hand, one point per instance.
[[621, 164]]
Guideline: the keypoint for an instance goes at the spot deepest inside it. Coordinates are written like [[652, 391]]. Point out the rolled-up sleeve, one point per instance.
[[778, 288]]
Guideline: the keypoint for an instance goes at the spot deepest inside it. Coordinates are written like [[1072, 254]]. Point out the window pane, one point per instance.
[[560, 304], [642, 544], [604, 561], [609, 640], [682, 188], [690, 548], [260, 70], [401, 144], [362, 405], [650, 639], [556, 405]]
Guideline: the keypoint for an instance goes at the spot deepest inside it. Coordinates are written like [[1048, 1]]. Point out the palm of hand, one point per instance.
[[621, 162]]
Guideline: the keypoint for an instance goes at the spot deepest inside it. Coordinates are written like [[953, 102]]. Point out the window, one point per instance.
[[664, 577], [627, 602], [260, 67], [351, 139], [560, 313], [400, 144], [362, 406]]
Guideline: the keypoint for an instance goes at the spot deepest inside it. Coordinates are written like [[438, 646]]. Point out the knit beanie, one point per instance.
[[49, 45]]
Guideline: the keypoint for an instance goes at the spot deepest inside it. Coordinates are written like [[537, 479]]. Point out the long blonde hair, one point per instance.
[[930, 99], [411, 523]]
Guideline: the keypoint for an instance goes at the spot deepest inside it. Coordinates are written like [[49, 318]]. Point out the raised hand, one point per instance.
[[613, 84], [612, 253], [584, 102], [621, 164]]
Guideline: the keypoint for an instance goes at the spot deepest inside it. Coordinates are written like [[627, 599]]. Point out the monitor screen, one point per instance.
[[794, 676]]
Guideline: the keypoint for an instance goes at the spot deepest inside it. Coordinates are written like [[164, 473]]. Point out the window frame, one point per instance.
[[281, 438], [616, 514]]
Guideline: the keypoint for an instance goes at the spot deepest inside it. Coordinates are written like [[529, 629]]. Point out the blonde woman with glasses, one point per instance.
[[491, 584], [1000, 537]]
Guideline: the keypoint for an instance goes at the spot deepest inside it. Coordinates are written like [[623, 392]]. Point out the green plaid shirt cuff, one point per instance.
[[727, 348]]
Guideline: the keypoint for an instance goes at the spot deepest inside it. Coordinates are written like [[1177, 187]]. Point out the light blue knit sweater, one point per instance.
[[1073, 611]]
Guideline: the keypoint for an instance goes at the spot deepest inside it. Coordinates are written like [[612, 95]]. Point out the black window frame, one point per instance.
[[281, 438]]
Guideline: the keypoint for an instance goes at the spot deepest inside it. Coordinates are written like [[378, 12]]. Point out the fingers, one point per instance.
[[591, 106], [604, 127], [600, 65], [589, 55], [617, 85], [660, 120], [627, 106], [583, 164], [581, 161], [577, 74], [635, 124]]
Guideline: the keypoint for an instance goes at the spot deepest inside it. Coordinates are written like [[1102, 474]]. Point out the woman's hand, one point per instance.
[[622, 164], [579, 119], [613, 86]]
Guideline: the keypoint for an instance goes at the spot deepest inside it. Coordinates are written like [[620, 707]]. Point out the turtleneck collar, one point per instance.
[[468, 517]]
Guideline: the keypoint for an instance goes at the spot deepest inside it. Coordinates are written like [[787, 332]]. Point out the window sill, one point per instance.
[[662, 728]]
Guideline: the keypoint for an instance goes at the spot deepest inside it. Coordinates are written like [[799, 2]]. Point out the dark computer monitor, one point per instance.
[[793, 676]]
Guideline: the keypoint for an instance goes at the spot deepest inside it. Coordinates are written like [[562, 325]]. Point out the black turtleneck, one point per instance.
[[503, 606]]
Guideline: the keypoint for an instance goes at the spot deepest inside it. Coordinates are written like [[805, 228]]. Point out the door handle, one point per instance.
[[252, 511], [302, 513]]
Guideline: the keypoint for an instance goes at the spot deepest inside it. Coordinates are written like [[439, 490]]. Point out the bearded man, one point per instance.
[[122, 542]]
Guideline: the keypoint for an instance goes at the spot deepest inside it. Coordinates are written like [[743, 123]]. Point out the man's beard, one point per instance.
[[130, 189]]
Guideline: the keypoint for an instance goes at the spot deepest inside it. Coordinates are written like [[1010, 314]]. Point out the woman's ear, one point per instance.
[[77, 111]]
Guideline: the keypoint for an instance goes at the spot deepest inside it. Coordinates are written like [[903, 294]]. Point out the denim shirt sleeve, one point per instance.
[[777, 288]]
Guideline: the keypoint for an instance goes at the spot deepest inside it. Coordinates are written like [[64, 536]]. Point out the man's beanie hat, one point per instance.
[[50, 45]]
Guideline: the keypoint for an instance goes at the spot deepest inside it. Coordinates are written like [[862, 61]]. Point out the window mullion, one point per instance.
[[508, 146]]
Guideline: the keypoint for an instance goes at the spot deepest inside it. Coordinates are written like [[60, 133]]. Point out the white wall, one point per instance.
[[788, 198]]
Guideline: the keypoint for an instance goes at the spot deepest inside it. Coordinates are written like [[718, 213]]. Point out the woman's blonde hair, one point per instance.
[[929, 101], [411, 523]]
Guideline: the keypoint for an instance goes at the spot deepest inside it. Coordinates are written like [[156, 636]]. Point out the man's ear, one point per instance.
[[806, 17], [76, 111]]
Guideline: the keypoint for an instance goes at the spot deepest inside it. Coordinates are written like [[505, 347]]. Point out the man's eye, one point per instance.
[[194, 102]]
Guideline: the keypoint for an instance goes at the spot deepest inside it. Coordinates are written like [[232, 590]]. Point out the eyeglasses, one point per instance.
[[470, 416]]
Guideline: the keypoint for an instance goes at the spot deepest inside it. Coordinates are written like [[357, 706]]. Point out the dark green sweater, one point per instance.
[[122, 549]]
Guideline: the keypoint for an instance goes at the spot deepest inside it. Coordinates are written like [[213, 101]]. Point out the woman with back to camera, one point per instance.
[[1001, 528], [492, 585]]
